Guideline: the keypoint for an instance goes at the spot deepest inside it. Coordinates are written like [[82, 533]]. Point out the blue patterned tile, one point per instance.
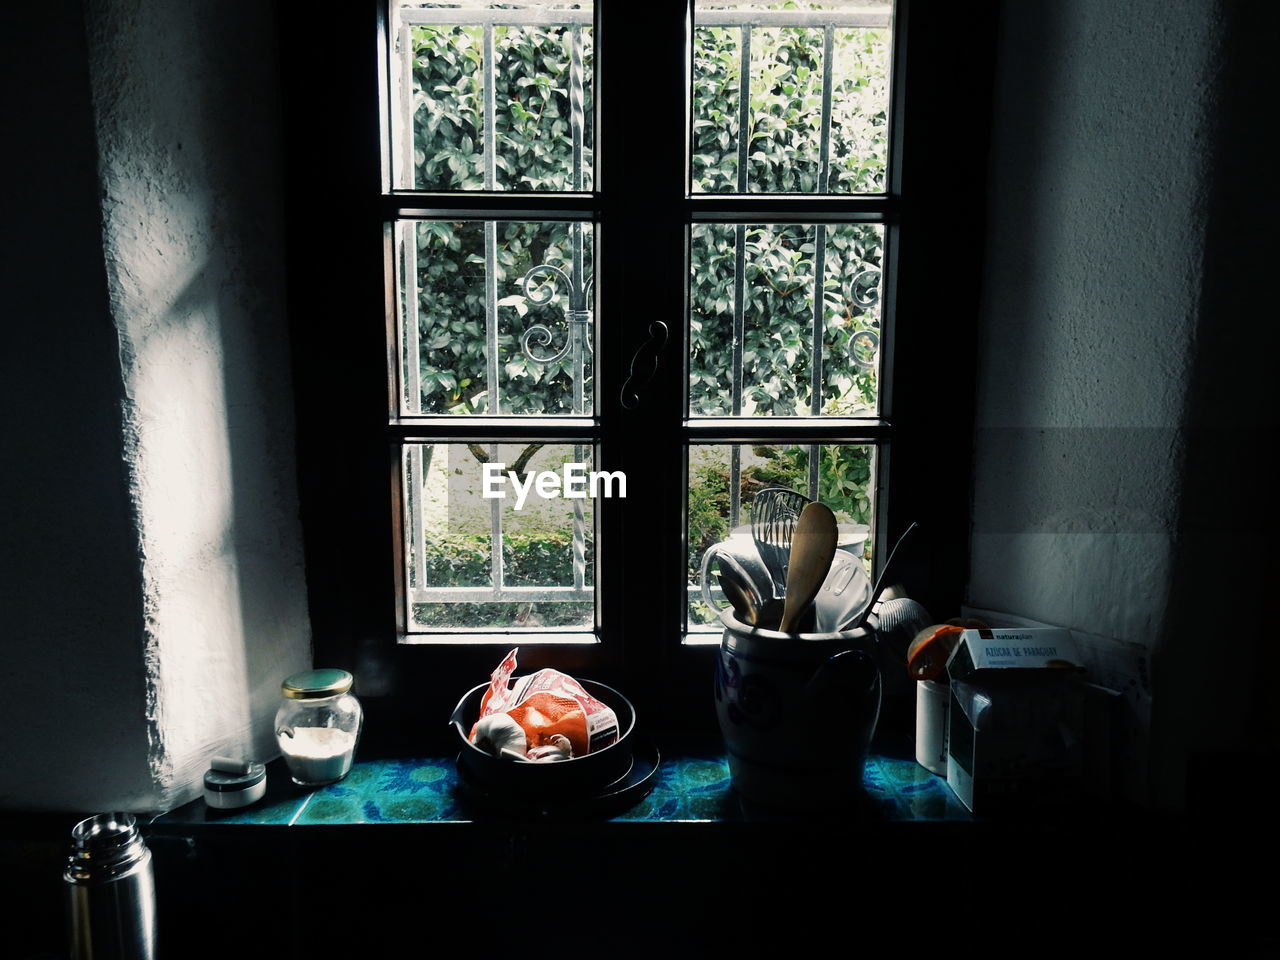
[[266, 812], [656, 806], [687, 788], [277, 808], [387, 791], [416, 776], [920, 794]]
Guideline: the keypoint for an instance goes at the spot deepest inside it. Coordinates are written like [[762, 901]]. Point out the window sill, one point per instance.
[[370, 863], [687, 789]]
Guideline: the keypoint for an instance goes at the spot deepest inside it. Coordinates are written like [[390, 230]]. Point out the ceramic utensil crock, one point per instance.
[[797, 713]]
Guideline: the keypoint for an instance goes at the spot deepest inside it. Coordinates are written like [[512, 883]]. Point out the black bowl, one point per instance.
[[579, 777]]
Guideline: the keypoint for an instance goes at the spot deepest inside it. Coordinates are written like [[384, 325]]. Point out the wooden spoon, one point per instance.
[[813, 545]]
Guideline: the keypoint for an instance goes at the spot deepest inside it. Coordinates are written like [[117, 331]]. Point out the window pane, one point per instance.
[[541, 578], [817, 102], [724, 479], [755, 318], [495, 318], [492, 96]]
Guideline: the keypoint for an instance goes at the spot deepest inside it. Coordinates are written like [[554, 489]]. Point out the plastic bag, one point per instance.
[[558, 718]]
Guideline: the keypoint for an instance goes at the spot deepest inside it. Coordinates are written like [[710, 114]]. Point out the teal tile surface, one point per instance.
[[266, 811], [904, 790], [688, 788], [278, 807], [388, 791]]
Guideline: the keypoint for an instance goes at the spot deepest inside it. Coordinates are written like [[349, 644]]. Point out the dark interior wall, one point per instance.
[[1217, 660], [186, 102], [151, 575], [1120, 350], [70, 582], [1090, 302]]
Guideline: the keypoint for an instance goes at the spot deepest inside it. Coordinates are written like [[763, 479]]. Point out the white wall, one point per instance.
[[1106, 172], [206, 604], [1091, 300]]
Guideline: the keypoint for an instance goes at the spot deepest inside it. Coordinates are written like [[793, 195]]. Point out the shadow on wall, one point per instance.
[[190, 163], [1119, 420], [152, 563], [70, 585], [1018, 182], [243, 287], [1217, 660]]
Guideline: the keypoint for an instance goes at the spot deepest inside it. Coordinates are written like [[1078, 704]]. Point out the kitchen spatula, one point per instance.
[[813, 545]]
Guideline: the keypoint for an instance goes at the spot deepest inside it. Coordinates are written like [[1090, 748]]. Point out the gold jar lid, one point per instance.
[[313, 684]]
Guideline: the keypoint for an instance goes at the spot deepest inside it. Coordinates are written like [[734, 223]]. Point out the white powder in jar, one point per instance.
[[317, 754]]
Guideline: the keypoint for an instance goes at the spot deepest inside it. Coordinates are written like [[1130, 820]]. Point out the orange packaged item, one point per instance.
[[928, 653], [550, 707]]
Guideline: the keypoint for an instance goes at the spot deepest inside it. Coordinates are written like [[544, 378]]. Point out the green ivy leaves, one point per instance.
[[533, 150], [784, 111]]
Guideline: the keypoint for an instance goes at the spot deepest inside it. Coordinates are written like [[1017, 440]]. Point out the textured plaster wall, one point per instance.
[[1094, 320], [71, 625], [1092, 296], [189, 162], [154, 590]]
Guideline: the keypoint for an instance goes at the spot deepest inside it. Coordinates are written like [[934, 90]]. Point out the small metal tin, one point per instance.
[[227, 791]]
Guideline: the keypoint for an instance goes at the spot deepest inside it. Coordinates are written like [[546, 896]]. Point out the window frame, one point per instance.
[[346, 450]]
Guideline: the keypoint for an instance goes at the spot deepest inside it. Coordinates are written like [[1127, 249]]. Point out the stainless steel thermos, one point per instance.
[[110, 890]]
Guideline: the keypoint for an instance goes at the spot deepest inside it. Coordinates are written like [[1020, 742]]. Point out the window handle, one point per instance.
[[644, 364]]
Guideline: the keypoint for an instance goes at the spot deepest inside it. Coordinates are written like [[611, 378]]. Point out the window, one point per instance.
[[495, 314], [494, 318], [587, 271]]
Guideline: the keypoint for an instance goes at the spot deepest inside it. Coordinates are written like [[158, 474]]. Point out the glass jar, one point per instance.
[[317, 726]]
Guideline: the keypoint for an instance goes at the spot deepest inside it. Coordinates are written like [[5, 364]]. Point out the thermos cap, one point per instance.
[[104, 846], [104, 833]]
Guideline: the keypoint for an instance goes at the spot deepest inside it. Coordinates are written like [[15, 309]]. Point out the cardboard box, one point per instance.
[[1017, 720]]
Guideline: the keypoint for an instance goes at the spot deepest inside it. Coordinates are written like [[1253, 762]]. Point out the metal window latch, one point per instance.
[[644, 364]]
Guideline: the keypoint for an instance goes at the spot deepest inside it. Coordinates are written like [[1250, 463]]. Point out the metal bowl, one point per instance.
[[579, 777]]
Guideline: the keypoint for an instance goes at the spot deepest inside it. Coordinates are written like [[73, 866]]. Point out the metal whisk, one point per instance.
[[773, 520]]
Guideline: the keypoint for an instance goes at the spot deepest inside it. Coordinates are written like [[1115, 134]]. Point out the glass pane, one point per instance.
[[817, 103], [495, 318], [492, 96], [461, 501], [724, 479], [755, 318]]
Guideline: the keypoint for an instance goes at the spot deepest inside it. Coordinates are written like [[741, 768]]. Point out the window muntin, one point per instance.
[[490, 96]]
